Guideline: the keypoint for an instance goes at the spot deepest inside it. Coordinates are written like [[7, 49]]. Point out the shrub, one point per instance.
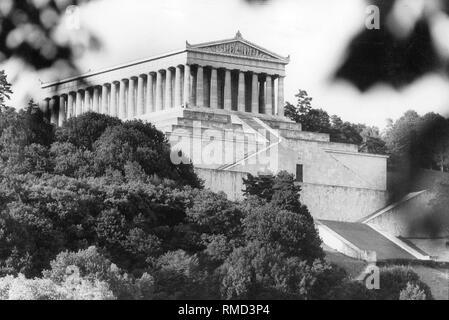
[[412, 292], [178, 276], [349, 290], [141, 143], [213, 213], [293, 232], [73, 288], [90, 268], [82, 131], [395, 279], [261, 271]]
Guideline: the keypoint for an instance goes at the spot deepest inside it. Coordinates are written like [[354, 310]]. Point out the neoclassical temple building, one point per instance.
[[229, 75], [221, 104]]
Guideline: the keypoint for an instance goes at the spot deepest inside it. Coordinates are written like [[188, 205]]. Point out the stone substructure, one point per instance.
[[337, 181]]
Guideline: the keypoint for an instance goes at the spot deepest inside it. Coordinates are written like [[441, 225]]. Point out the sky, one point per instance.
[[314, 33]]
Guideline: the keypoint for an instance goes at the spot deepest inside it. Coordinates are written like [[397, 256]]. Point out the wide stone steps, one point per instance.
[[206, 116], [209, 124], [237, 132], [255, 134]]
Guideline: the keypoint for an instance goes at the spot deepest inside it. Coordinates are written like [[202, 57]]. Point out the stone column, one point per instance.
[[140, 95], [87, 103], [241, 92], [262, 97], [104, 99], [122, 100], [79, 103], [113, 109], [178, 87], [187, 96], [149, 95], [62, 111], [255, 94], [45, 107], [200, 87], [168, 90], [53, 110], [214, 89], [131, 98], [159, 91], [281, 103], [227, 91], [269, 98], [70, 106], [96, 99]]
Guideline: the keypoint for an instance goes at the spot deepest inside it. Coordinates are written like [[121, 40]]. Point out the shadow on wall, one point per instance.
[[423, 212]]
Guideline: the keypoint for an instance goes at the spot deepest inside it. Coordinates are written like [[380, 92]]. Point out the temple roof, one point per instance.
[[237, 46]]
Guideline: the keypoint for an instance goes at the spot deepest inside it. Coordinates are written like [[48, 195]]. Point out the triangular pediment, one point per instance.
[[237, 47]]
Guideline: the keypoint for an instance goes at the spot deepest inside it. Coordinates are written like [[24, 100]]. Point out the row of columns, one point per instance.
[[180, 86], [261, 92]]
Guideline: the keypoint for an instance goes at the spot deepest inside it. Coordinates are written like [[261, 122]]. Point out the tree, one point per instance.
[[412, 292], [345, 132], [401, 137], [281, 218], [434, 141], [5, 89], [260, 186], [84, 130], [36, 42], [150, 233], [260, 271], [24, 140], [93, 266], [28, 123], [179, 275], [302, 108], [286, 195], [395, 279], [280, 190], [315, 120], [373, 145], [141, 143], [436, 221], [213, 213], [74, 288], [419, 142], [318, 120], [294, 233], [71, 161]]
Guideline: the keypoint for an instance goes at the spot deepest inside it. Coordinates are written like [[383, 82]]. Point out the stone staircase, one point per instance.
[[264, 133]]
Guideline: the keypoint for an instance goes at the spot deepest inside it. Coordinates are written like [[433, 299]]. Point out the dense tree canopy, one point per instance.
[[418, 141], [318, 120], [99, 191], [28, 32], [412, 141], [5, 89], [63, 191], [96, 210]]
